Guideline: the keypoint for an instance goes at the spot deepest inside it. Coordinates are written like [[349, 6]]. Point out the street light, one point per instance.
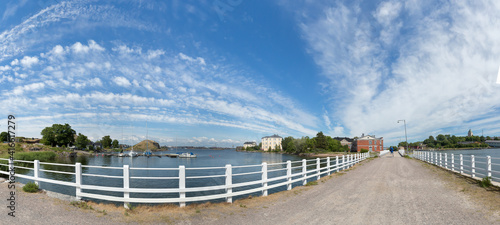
[[406, 137]]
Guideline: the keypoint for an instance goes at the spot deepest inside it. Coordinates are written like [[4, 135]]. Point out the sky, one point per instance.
[[223, 72]]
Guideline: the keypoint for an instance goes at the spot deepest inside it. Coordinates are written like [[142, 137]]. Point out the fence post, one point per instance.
[[446, 160], [318, 168], [337, 163], [461, 164], [36, 172], [264, 178], [473, 162], [328, 165], [489, 165], [229, 182], [304, 171], [343, 162], [436, 160], [78, 178], [453, 162], [289, 174], [11, 170], [440, 159], [182, 185], [126, 185]]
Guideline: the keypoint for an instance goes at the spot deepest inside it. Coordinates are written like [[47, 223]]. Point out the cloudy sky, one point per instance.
[[220, 72]]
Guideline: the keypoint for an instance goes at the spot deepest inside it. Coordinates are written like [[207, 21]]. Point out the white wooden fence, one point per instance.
[[473, 166], [321, 167]]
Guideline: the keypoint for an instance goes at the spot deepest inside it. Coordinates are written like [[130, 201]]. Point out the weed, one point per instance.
[[243, 206], [81, 205], [30, 187], [485, 182], [130, 207], [198, 211], [312, 183], [126, 213]]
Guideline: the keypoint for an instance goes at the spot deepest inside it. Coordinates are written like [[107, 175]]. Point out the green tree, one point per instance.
[[310, 143], [106, 141], [260, 146], [81, 141], [4, 136], [290, 147], [115, 144], [321, 141], [482, 139], [285, 142], [58, 134]]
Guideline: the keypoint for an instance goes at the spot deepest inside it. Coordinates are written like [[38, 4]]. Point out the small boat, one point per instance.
[[187, 155], [132, 154], [121, 154]]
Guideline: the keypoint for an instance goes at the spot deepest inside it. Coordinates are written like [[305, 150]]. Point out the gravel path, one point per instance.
[[387, 190]]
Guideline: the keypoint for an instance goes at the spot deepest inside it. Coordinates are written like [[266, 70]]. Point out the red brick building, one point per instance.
[[368, 142]]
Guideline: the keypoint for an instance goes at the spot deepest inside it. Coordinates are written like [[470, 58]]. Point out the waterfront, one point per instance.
[[206, 158]]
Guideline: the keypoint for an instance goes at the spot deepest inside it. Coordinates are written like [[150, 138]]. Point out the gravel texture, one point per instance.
[[387, 190]]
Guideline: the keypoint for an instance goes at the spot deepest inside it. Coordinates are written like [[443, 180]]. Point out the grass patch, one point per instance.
[[243, 206], [30, 187], [312, 183], [82, 205], [30, 156], [485, 182]]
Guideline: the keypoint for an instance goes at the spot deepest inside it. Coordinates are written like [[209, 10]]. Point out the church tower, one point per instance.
[[469, 134]]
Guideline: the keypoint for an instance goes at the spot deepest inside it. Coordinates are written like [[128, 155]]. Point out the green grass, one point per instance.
[[30, 156], [81, 205], [312, 183], [485, 182], [30, 187]]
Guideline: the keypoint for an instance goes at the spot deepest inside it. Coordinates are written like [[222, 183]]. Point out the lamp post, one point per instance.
[[406, 136]]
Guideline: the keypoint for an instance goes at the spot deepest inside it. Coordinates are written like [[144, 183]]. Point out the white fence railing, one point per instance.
[[469, 165], [297, 171], [383, 152]]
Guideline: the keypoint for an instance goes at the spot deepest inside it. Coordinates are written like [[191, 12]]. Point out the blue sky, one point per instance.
[[221, 72]]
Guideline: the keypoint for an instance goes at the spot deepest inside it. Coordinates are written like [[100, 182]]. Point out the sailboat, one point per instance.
[[132, 153], [147, 152]]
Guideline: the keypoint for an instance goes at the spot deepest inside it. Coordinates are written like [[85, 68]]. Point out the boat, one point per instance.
[[132, 153], [121, 154], [187, 155]]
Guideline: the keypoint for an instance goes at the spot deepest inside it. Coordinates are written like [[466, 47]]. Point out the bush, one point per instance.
[[30, 187], [486, 182], [364, 150], [30, 156]]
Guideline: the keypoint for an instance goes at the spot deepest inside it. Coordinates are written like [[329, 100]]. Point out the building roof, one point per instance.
[[342, 138], [368, 137], [249, 142], [274, 136]]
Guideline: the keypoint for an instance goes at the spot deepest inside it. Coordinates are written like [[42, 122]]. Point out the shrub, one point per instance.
[[30, 156], [364, 150], [486, 182], [30, 187]]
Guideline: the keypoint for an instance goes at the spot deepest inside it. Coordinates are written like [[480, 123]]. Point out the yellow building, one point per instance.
[[272, 142]]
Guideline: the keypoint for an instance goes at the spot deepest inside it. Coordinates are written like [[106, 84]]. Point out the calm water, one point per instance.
[[206, 158], [480, 159]]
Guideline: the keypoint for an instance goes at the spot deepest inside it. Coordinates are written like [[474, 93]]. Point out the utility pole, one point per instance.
[[406, 136]]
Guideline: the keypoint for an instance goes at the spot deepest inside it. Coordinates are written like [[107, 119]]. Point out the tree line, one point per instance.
[[452, 141], [64, 136], [320, 143]]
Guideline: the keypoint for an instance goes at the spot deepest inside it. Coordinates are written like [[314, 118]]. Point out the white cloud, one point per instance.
[[190, 59], [29, 61], [121, 81], [19, 90], [438, 74]]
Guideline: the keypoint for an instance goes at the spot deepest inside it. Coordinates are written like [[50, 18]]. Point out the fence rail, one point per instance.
[[305, 170], [469, 165]]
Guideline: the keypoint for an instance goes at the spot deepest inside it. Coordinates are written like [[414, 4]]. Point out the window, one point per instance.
[[370, 142]]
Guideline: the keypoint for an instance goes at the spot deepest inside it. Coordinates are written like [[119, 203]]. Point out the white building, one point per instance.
[[249, 144], [492, 143], [271, 142]]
